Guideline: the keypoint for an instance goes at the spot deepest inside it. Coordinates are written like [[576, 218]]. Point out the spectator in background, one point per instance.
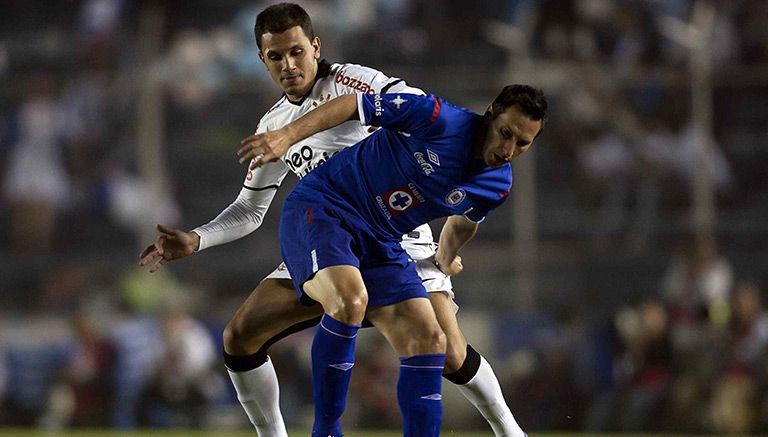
[[183, 382], [99, 24], [696, 287], [735, 398], [83, 397], [548, 396], [36, 185], [89, 374], [607, 163], [32, 365], [685, 162], [643, 372]]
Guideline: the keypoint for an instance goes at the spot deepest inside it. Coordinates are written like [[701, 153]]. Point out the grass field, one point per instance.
[[187, 433]]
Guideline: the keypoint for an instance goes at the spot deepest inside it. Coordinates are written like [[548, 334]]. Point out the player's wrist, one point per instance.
[[292, 134], [441, 260], [195, 241]]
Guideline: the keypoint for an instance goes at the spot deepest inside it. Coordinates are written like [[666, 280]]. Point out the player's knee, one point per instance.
[[456, 350], [351, 306], [430, 340], [454, 357], [232, 335], [440, 340], [239, 339]]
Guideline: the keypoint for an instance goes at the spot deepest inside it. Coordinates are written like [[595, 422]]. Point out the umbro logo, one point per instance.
[[433, 157], [433, 397], [343, 366]]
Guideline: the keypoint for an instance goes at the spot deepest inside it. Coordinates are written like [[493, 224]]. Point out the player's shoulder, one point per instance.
[[353, 69], [458, 117], [275, 113], [501, 181], [357, 78], [456, 109]]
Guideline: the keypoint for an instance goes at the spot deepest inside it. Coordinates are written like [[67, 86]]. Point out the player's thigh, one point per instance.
[[272, 307], [410, 326], [456, 343]]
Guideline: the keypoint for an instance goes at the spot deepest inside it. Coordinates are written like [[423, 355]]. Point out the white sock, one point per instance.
[[259, 394], [484, 392]]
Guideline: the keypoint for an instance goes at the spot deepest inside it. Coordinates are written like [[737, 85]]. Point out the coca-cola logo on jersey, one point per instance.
[[300, 161], [353, 83]]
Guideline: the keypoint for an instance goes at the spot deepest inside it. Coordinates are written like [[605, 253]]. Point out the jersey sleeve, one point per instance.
[[237, 220], [413, 114], [478, 214], [482, 208], [247, 212]]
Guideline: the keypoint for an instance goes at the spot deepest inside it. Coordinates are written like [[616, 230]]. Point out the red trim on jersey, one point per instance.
[[436, 111], [309, 216], [506, 193]]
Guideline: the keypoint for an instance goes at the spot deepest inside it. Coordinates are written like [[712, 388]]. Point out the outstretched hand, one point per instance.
[[171, 244], [263, 148]]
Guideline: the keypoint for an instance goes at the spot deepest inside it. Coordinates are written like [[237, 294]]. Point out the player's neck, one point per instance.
[[296, 98]]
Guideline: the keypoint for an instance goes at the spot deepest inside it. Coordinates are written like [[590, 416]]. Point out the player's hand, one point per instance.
[[170, 244], [450, 268], [263, 148]]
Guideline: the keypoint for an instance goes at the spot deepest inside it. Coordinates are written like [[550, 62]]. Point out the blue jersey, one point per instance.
[[419, 167]]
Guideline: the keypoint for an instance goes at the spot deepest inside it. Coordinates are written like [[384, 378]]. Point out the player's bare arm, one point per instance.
[[171, 244], [267, 147], [457, 232]]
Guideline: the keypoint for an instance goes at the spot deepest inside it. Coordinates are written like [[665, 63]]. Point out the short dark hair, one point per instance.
[[281, 17], [531, 100]]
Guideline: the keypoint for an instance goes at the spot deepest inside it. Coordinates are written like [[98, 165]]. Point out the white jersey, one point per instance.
[[246, 213]]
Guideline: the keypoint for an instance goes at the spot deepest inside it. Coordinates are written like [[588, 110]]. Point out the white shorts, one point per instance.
[[422, 250]]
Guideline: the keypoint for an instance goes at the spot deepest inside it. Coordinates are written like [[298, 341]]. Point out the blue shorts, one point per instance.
[[315, 234]]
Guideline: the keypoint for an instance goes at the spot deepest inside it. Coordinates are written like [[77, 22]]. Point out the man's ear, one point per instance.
[[263, 61], [316, 45]]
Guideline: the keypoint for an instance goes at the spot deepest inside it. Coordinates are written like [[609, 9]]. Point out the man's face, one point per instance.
[[510, 134], [291, 59]]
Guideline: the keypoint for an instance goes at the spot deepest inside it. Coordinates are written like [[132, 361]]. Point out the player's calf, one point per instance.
[[333, 357], [419, 394]]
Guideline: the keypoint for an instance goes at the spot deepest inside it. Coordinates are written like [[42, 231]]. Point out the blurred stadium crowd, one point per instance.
[[119, 114]]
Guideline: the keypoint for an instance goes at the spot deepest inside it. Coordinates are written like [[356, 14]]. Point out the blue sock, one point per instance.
[[419, 393], [333, 355]]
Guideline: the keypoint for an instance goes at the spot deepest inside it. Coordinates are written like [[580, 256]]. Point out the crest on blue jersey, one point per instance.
[[401, 199], [455, 196]]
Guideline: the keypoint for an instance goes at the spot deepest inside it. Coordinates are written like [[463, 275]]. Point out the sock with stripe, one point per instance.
[[419, 393], [333, 356], [257, 389], [478, 383]]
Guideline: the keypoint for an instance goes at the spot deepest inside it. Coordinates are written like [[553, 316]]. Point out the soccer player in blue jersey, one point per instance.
[[340, 228]]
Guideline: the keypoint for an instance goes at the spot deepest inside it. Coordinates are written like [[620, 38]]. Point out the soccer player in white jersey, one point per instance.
[[291, 54]]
